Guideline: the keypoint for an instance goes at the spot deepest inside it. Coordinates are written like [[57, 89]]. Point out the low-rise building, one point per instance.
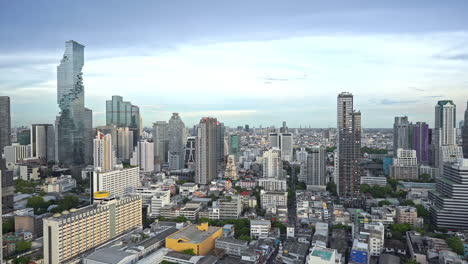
[[230, 207], [323, 255], [260, 228], [199, 238], [406, 215], [64, 183], [188, 189], [273, 199], [231, 246]]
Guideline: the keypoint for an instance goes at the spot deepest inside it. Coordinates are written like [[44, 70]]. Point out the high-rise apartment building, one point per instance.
[[465, 134], [123, 114], [190, 151], [349, 146], [450, 198], [286, 146], [284, 142], [444, 137], [125, 143], [420, 141], [301, 155], [161, 141], [143, 156], [104, 153], [73, 232], [220, 131], [316, 167], [206, 148], [273, 138], [234, 145], [119, 182], [176, 136], [74, 123], [401, 133], [445, 123], [405, 165], [43, 142], [272, 164], [7, 187], [5, 123]]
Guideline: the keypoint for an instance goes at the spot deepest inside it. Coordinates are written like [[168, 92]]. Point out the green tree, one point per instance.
[[407, 202], [456, 245], [402, 228], [384, 202], [189, 251], [22, 260], [422, 212], [38, 204], [424, 177], [23, 246], [411, 261], [245, 237], [8, 225], [331, 187], [69, 202]]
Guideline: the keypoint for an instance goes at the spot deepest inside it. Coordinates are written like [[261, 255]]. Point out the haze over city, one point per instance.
[[245, 62]]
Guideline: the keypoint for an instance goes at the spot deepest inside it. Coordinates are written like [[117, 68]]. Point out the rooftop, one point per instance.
[[192, 234], [108, 256]]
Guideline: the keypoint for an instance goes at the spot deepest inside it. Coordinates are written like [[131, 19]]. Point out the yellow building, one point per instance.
[[200, 238]]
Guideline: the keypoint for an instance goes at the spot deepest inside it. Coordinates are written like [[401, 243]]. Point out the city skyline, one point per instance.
[[238, 77]]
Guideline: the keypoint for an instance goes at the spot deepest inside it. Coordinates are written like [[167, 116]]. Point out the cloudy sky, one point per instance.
[[245, 62]]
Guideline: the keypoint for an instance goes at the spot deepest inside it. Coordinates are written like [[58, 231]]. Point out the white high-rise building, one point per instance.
[[286, 146], [206, 151], [124, 143], [143, 156], [15, 153], [445, 123], [176, 138], [118, 182], [104, 153], [272, 164], [301, 155], [43, 142]]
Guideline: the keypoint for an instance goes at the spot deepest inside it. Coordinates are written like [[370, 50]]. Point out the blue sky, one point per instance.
[[245, 62]]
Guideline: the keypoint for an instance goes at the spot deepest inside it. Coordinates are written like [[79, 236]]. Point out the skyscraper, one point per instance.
[[445, 123], [444, 132], [190, 150], [220, 131], [43, 142], [465, 134], [176, 143], [143, 156], [286, 146], [5, 123], [104, 152], [316, 167], [206, 146], [349, 146], [273, 138], [125, 143], [74, 123], [123, 114], [161, 141], [234, 145], [420, 141], [272, 164], [450, 198], [401, 133]]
